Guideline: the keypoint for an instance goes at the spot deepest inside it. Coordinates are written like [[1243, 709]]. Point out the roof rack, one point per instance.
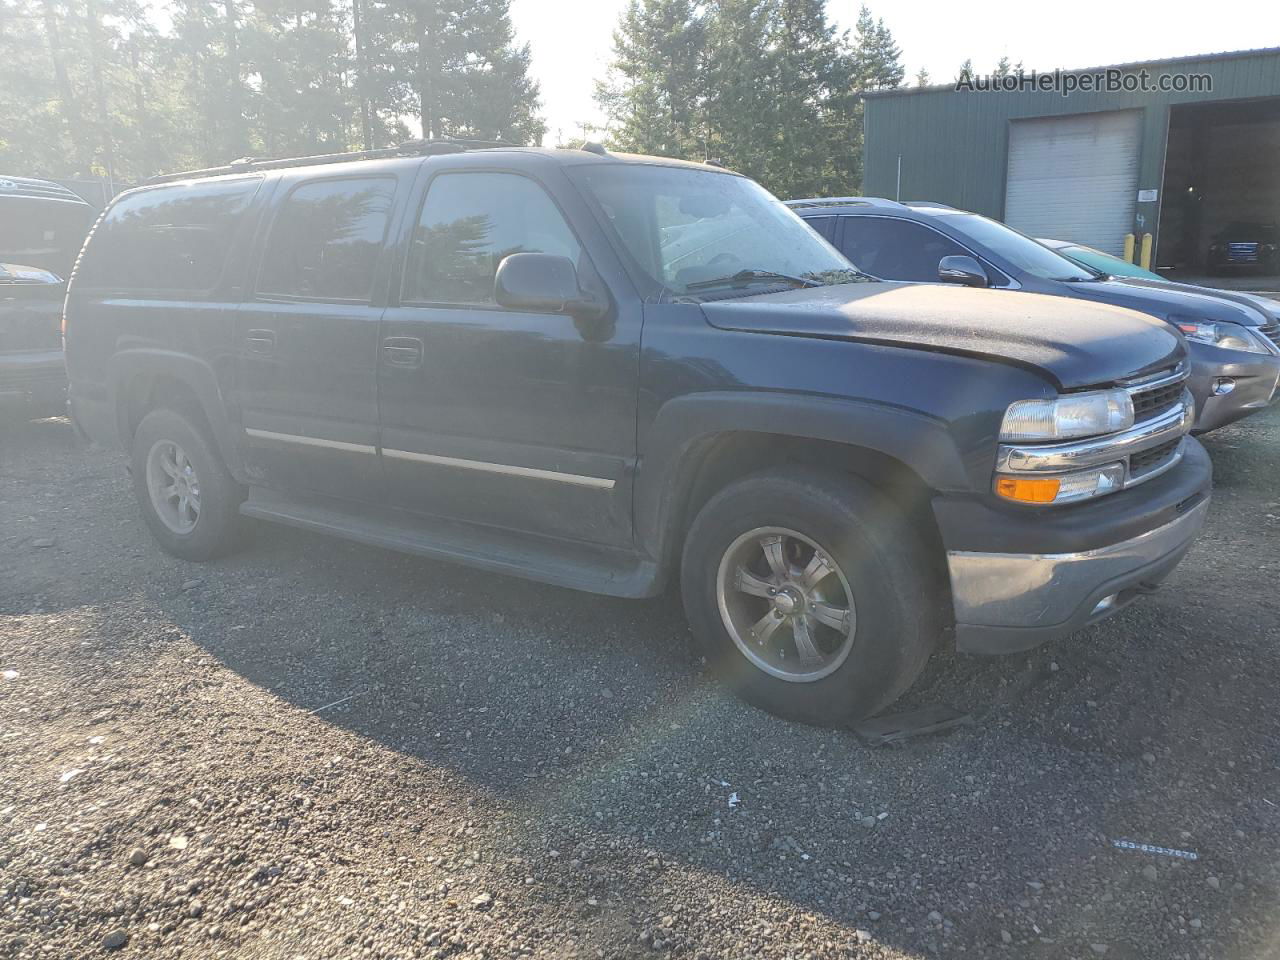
[[410, 148]]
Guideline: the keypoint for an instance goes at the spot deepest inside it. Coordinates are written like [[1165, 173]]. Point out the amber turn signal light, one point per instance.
[[1028, 489]]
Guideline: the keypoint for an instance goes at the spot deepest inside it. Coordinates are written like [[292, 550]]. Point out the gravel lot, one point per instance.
[[313, 749]]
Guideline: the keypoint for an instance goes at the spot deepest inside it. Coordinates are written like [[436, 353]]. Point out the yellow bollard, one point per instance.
[[1146, 251], [1128, 247]]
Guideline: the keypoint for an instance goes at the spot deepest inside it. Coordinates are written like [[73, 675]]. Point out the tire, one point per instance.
[[878, 650], [201, 534]]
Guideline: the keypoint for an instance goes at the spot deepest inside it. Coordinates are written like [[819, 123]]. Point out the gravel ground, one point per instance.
[[313, 749]]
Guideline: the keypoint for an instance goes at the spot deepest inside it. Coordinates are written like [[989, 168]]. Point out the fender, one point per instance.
[[921, 442], [126, 366]]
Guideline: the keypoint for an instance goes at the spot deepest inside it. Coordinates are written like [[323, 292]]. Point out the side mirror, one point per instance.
[[962, 270], [543, 283]]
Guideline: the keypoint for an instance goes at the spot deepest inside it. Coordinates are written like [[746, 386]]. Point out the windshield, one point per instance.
[[696, 232], [1105, 263], [38, 232], [1017, 249]]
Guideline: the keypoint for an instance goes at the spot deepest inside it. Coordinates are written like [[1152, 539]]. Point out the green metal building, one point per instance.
[[1173, 148]]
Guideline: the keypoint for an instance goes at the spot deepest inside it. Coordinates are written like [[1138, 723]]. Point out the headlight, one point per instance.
[[1231, 336], [1069, 416]]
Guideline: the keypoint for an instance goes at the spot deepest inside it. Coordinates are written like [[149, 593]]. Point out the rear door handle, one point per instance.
[[402, 351], [261, 341]]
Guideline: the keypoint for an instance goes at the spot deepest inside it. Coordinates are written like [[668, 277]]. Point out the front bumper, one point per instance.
[[32, 376], [1255, 377], [1007, 600]]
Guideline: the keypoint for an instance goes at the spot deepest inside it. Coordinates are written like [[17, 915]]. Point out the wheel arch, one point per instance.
[[147, 379], [701, 444]]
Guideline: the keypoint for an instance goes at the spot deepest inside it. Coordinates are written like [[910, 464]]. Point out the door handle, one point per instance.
[[402, 351], [261, 341]]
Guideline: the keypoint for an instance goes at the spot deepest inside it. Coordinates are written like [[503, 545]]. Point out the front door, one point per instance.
[[308, 339], [515, 419]]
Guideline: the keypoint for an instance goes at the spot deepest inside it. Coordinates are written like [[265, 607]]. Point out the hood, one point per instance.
[[1269, 309], [1166, 300], [1074, 344]]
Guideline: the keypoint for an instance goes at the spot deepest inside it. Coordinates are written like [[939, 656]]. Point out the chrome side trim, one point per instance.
[[309, 441], [1045, 589], [1051, 458], [598, 483]]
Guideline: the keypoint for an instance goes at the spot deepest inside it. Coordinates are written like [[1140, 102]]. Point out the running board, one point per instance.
[[562, 563]]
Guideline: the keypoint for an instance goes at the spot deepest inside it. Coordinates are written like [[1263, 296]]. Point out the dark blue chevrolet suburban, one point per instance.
[[616, 373]]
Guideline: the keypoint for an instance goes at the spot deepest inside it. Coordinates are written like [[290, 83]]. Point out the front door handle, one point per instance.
[[402, 351], [261, 341]]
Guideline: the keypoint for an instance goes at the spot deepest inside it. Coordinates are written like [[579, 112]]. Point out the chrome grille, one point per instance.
[[1242, 251], [1148, 404], [1156, 394], [1148, 463]]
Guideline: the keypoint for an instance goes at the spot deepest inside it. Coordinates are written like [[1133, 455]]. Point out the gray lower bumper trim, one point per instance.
[[1043, 591]]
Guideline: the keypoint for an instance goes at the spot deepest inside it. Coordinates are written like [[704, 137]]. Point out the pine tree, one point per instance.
[[922, 77], [811, 65], [454, 65], [877, 65], [652, 93], [740, 110], [298, 52]]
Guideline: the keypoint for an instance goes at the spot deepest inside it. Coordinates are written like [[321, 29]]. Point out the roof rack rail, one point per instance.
[[410, 148]]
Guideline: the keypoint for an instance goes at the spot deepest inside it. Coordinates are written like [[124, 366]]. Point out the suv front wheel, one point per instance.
[[189, 500], [810, 594]]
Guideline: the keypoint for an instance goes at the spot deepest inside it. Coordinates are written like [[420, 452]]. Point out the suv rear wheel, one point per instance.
[[189, 500], [810, 594]]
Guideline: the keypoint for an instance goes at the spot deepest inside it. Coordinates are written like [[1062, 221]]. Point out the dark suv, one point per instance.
[[1253, 246], [42, 225], [1234, 346], [610, 372]]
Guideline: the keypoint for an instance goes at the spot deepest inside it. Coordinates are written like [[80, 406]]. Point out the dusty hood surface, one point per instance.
[[1075, 343]]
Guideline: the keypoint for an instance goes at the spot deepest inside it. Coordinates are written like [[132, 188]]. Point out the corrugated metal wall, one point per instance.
[[954, 144]]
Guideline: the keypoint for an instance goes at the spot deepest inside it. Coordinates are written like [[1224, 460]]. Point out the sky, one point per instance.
[[571, 40]]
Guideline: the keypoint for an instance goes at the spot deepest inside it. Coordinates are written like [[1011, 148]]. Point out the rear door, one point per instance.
[[511, 418], [308, 337]]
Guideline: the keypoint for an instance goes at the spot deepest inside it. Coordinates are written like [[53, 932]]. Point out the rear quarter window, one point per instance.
[[167, 239]]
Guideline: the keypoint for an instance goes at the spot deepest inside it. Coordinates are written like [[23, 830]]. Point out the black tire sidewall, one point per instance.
[[877, 553], [220, 496]]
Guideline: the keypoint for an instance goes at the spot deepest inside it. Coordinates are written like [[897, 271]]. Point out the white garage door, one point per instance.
[[1075, 178]]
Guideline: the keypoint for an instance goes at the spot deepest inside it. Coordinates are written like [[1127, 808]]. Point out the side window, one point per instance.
[[826, 227], [168, 238], [896, 249], [469, 222], [325, 241]]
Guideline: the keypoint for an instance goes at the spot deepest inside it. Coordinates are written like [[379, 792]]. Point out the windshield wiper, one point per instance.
[[743, 276]]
